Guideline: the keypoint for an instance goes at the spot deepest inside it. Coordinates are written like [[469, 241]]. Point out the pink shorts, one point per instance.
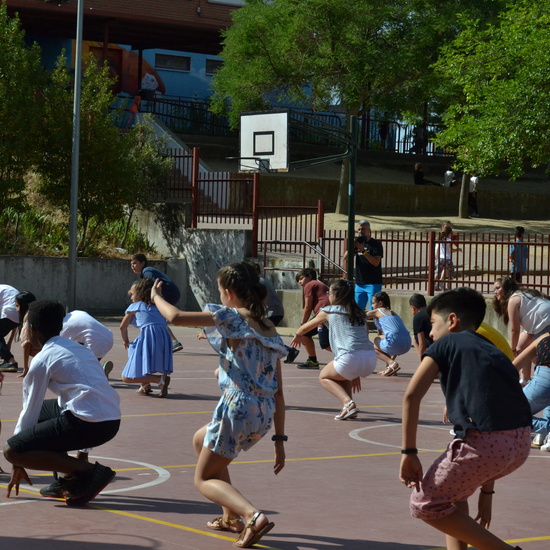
[[465, 466]]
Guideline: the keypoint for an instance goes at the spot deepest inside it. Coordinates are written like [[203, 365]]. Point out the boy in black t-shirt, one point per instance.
[[421, 324], [491, 417]]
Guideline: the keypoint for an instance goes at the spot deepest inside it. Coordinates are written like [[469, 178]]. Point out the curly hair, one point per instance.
[[242, 279]]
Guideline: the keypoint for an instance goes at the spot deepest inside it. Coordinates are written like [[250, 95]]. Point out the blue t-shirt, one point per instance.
[[170, 292], [519, 254]]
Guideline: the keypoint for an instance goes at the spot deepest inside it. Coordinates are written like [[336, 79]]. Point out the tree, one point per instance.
[[115, 171], [21, 105], [500, 114], [318, 53]]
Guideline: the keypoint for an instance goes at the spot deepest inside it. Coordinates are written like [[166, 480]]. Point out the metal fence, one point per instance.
[[409, 262]]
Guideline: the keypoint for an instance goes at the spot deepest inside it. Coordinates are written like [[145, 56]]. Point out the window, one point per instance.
[[212, 65], [173, 62]]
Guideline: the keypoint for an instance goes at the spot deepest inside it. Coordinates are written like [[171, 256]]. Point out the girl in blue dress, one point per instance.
[[252, 400], [151, 351], [394, 337]]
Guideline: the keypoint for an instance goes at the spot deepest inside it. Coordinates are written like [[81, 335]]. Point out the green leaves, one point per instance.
[[499, 115]]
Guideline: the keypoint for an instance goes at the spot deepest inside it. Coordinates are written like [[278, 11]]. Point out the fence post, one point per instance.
[[431, 262], [320, 219], [255, 204], [195, 188]]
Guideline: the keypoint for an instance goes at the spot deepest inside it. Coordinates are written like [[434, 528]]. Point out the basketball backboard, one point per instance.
[[264, 142]]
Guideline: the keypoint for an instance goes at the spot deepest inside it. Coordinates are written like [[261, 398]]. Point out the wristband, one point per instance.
[[279, 438], [411, 451], [486, 492]]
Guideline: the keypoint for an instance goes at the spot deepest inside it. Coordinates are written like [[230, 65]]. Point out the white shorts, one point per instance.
[[356, 363]]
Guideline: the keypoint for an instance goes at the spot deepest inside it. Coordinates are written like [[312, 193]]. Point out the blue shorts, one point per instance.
[[364, 294]]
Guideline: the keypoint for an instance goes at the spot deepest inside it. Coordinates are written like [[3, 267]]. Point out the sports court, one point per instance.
[[339, 489]]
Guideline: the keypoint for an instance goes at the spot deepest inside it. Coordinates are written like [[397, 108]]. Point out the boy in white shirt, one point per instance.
[[85, 414]]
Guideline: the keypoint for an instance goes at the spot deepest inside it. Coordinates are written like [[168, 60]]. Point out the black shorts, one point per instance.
[[322, 332], [62, 432]]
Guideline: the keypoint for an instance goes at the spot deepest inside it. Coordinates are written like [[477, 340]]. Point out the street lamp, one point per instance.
[[73, 213]]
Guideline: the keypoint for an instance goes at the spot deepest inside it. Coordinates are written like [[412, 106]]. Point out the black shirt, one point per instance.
[[365, 272], [480, 384], [421, 323]]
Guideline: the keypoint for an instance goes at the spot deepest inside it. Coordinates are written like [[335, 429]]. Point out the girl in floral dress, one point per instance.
[[252, 400]]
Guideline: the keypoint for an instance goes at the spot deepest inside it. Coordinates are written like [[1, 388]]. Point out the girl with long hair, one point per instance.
[[526, 311], [252, 399], [354, 355]]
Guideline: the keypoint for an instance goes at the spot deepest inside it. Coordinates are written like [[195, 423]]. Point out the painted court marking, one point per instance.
[[163, 475]]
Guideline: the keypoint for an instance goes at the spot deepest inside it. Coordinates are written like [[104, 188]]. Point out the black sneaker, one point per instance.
[[107, 368], [8, 366], [88, 488], [309, 364], [292, 354], [55, 489], [176, 346]]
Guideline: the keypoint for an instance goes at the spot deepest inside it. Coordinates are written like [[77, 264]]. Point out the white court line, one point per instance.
[[163, 475]]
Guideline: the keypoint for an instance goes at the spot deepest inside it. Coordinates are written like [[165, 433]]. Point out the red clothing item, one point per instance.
[[318, 291]]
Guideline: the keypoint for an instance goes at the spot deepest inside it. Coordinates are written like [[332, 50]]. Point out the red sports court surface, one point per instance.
[[339, 489]]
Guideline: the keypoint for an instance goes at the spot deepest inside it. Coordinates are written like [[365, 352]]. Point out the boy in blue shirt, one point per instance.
[[491, 417]]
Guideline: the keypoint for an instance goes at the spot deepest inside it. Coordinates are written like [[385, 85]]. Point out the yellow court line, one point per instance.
[[222, 537], [289, 408]]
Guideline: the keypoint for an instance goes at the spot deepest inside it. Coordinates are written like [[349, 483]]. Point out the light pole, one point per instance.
[[73, 215]]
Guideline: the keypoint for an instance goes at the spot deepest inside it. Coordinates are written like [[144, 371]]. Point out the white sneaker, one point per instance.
[[546, 445], [538, 440]]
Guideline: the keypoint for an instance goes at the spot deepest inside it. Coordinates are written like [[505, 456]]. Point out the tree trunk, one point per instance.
[[342, 200], [463, 202]]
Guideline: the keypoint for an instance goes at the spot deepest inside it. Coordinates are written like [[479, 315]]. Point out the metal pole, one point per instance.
[[351, 197], [73, 221]]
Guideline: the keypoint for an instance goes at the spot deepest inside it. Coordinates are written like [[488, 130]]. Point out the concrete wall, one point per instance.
[[101, 284], [399, 199]]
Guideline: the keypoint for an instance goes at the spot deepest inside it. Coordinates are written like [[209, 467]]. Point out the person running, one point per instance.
[[150, 352], [252, 394], [138, 264], [85, 414], [354, 355], [491, 417]]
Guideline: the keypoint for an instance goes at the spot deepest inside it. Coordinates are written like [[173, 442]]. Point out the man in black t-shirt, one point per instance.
[[368, 269]]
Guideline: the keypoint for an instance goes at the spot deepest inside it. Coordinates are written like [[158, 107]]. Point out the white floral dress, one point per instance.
[[248, 380]]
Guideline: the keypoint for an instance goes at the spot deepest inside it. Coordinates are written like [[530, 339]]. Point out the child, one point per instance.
[[491, 418], [138, 264], [354, 355], [85, 414], [250, 379], [22, 302], [151, 351], [9, 320], [421, 324], [537, 390], [444, 254], [315, 297], [518, 255], [81, 327], [394, 338]]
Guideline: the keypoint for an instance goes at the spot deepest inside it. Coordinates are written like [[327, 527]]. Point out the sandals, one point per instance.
[[235, 525], [391, 370], [145, 390], [257, 533], [349, 411], [164, 382]]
